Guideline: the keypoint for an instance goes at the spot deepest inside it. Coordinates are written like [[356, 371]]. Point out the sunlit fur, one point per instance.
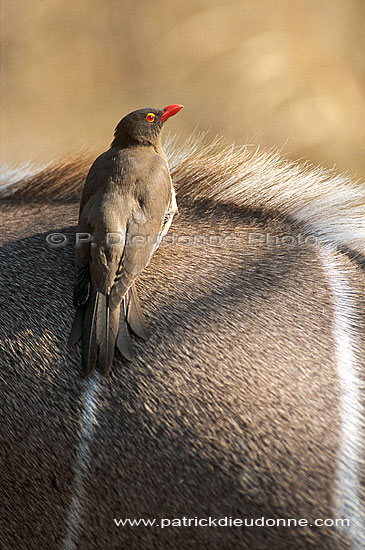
[[246, 401], [328, 204]]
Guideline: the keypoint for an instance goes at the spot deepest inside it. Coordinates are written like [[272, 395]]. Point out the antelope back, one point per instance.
[[245, 403]]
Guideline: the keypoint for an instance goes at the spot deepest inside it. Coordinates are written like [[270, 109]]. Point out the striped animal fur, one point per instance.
[[247, 400]]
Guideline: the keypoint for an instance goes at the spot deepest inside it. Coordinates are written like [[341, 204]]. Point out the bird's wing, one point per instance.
[[98, 173], [96, 176], [172, 210], [103, 212], [82, 286], [82, 257], [144, 230]]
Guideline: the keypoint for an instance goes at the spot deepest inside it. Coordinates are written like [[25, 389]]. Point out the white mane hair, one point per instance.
[[329, 205], [325, 204]]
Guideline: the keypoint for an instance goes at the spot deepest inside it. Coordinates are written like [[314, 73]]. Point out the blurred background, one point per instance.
[[283, 73]]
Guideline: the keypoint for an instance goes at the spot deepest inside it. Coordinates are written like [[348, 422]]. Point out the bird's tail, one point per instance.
[[134, 315], [99, 333], [101, 326], [131, 319]]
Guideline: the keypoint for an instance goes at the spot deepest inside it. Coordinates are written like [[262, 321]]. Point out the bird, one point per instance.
[[127, 206]]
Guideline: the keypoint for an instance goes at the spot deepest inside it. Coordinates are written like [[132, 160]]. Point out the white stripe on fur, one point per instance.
[[88, 424], [348, 503]]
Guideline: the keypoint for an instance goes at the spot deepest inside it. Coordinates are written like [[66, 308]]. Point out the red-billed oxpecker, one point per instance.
[[127, 206]]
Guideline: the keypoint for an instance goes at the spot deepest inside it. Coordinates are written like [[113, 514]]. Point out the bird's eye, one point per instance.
[[150, 117]]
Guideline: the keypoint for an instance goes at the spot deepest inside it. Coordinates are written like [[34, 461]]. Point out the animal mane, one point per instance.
[[57, 181], [325, 203]]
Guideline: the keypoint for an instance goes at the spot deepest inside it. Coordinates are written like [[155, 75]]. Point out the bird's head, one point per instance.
[[143, 126]]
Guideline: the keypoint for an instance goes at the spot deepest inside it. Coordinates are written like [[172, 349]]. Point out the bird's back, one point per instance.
[[122, 177], [123, 186]]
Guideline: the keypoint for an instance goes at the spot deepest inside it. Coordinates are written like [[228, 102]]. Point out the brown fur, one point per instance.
[[233, 406]]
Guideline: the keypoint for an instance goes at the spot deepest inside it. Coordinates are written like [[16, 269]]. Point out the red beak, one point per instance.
[[170, 110]]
